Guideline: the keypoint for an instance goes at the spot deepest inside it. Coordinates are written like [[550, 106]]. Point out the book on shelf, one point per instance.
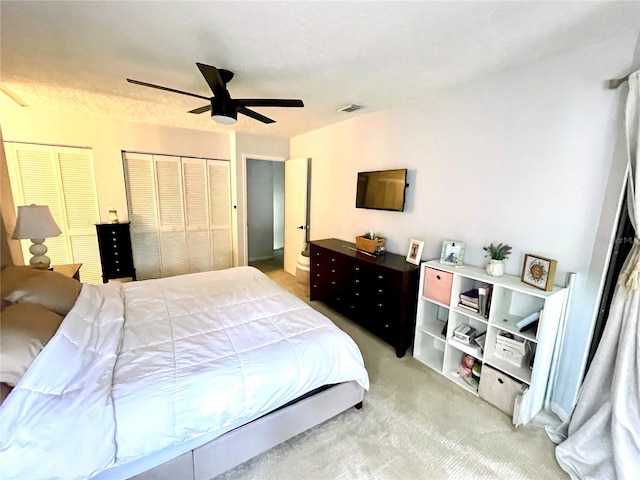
[[528, 320], [470, 308], [470, 295], [470, 304], [488, 303], [483, 300]]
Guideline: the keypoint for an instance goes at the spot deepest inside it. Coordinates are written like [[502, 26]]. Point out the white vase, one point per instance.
[[495, 268]]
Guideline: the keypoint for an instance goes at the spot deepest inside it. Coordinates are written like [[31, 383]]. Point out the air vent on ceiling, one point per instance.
[[350, 108]]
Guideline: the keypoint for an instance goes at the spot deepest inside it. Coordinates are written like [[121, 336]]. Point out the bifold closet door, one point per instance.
[[180, 213], [63, 179]]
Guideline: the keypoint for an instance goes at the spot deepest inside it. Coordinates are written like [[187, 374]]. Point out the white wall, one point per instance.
[[521, 157], [278, 205]]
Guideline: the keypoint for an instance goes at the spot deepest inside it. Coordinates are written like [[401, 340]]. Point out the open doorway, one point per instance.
[[265, 213]]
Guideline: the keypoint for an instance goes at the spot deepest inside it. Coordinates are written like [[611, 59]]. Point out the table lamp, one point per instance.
[[36, 223]]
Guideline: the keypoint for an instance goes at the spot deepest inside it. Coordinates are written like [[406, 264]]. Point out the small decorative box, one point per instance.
[[367, 245]]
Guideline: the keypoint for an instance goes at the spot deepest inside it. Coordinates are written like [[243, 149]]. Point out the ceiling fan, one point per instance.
[[225, 109]]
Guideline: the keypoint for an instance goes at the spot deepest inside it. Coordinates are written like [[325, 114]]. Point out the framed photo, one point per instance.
[[539, 272], [452, 252], [415, 251]]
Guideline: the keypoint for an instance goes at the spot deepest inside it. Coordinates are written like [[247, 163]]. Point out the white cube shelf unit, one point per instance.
[[511, 301]]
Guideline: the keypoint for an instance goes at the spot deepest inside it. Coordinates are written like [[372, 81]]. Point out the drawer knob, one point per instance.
[[333, 270], [333, 283], [333, 259], [380, 277]]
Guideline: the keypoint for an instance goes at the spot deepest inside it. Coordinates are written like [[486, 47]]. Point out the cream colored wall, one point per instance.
[[107, 138], [521, 157], [10, 250]]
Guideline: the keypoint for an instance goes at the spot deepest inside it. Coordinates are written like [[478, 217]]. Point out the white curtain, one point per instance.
[[601, 439]]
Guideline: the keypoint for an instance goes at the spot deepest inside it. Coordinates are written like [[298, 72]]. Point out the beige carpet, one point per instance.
[[415, 424]]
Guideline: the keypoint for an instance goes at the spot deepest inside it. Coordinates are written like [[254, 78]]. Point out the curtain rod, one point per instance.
[[616, 82]]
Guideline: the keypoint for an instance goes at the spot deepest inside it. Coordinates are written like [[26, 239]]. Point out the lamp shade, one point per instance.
[[35, 221]]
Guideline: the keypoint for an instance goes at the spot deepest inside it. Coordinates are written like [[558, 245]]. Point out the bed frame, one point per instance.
[[239, 445]]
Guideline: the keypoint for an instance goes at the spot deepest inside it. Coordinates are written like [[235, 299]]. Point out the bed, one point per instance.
[[181, 377]]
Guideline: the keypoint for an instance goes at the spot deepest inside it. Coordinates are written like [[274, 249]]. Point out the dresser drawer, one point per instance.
[[437, 285]]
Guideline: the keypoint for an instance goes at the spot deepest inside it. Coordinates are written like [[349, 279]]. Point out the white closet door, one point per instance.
[[196, 202], [80, 202], [173, 242], [141, 198], [63, 179], [220, 208], [180, 213]]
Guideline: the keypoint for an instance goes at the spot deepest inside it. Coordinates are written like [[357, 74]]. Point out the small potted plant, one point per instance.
[[497, 255]]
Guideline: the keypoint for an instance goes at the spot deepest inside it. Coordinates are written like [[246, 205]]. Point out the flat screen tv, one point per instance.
[[382, 190]]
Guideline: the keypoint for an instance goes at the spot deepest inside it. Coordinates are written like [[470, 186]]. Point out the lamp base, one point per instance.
[[38, 250]]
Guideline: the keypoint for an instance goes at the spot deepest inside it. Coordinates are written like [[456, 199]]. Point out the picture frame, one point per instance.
[[415, 251], [539, 272], [452, 252]]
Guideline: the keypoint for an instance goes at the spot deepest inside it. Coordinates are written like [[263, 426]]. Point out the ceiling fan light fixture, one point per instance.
[[224, 119], [224, 111]]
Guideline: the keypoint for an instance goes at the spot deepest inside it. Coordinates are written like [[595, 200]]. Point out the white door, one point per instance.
[[295, 210]]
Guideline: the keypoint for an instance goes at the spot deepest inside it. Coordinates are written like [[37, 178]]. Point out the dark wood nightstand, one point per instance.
[[72, 270]]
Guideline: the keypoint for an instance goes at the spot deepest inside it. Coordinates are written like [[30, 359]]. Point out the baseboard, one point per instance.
[[559, 411]]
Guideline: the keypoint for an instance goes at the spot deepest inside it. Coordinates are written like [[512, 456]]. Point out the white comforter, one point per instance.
[[138, 367]]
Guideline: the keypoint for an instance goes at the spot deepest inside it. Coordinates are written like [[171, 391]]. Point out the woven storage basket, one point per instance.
[[369, 245]]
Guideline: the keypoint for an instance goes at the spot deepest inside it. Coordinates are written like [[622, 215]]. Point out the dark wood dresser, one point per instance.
[[114, 242], [378, 293]]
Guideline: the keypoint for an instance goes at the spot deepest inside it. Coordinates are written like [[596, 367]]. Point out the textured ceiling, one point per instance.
[[76, 54]]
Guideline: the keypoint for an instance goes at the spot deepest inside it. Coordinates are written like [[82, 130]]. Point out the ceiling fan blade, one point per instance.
[[268, 102], [144, 84], [254, 115], [213, 77], [206, 108]]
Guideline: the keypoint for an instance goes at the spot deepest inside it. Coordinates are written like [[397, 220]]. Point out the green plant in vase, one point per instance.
[[497, 255]]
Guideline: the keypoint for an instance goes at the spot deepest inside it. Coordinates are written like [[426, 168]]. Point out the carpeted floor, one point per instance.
[[415, 424]]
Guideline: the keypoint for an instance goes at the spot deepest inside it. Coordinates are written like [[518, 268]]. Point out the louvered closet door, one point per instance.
[[180, 214], [220, 217], [141, 198], [196, 203], [62, 178], [81, 210], [173, 242]]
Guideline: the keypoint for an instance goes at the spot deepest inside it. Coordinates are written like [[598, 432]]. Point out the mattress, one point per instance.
[[152, 365]]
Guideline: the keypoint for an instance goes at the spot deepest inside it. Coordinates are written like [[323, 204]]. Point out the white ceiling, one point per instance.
[[77, 54]]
